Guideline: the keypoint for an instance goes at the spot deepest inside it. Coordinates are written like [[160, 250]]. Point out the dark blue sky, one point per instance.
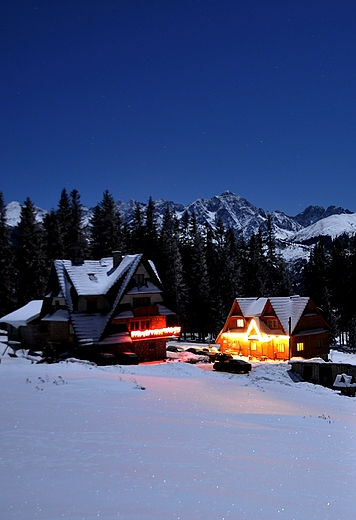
[[178, 100]]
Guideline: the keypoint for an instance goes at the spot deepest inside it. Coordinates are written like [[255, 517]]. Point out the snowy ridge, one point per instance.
[[294, 234], [332, 226]]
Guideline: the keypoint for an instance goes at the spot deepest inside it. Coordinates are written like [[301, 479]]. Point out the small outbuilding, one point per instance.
[[275, 328]]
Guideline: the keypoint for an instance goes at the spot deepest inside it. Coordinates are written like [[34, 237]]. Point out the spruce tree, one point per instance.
[[171, 268], [63, 215], [317, 279], [7, 296], [275, 279], [198, 305], [77, 243], [54, 245], [150, 235], [106, 232], [31, 263], [215, 264], [137, 231]]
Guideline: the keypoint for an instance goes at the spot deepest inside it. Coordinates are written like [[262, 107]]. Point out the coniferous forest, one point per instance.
[[202, 269]]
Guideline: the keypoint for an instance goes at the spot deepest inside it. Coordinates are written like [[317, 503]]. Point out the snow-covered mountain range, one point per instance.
[[295, 234]]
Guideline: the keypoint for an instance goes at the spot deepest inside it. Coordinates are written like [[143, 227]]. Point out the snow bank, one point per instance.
[[172, 441]]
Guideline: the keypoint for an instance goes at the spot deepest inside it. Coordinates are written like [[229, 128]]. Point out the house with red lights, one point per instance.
[[275, 328], [111, 305]]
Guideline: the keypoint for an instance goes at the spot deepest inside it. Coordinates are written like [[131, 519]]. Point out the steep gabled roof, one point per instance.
[[289, 307], [285, 307], [94, 278], [251, 306]]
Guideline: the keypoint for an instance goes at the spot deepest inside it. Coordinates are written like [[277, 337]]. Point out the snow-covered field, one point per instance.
[[173, 441]]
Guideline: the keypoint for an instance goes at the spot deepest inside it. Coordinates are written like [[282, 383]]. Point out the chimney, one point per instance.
[[117, 257]]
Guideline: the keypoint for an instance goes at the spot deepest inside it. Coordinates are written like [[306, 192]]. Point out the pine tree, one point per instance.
[[106, 232], [198, 283], [273, 270], [317, 279], [254, 281], [31, 261], [7, 296], [231, 274], [54, 246], [216, 265], [340, 285], [78, 245], [63, 215], [150, 235], [137, 231], [171, 267]]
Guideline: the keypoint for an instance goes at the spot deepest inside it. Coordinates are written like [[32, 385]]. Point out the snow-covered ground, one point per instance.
[[173, 441]]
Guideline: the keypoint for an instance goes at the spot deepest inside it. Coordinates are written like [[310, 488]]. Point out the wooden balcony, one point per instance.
[[152, 310]]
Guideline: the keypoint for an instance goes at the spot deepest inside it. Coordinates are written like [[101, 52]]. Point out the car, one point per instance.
[[202, 352], [173, 348], [236, 366], [127, 358]]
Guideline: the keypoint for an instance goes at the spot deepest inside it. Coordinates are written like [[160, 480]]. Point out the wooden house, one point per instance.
[[112, 305], [275, 328]]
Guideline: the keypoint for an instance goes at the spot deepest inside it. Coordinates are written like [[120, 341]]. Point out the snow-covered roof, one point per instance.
[[251, 306], [59, 315], [285, 307], [289, 307], [95, 278], [24, 315], [148, 288]]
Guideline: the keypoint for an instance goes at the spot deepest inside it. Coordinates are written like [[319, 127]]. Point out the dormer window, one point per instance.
[[240, 322], [272, 324], [140, 280]]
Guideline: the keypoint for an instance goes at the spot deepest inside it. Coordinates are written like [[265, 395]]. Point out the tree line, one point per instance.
[[202, 268], [330, 280]]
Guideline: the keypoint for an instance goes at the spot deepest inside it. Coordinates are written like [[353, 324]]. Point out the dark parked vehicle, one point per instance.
[[173, 348], [202, 352], [104, 359], [127, 358], [235, 366]]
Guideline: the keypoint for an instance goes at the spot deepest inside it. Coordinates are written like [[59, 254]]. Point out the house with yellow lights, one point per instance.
[[112, 305], [275, 328]]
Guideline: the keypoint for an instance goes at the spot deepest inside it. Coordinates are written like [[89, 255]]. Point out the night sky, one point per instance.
[[179, 99]]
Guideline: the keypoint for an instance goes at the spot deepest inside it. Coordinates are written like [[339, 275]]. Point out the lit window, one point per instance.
[[253, 346], [240, 322], [272, 324], [300, 346], [280, 347]]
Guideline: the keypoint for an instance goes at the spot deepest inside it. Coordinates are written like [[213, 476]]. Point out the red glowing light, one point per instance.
[[149, 333]]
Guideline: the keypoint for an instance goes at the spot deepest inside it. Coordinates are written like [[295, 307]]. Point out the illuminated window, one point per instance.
[[139, 325], [253, 346], [280, 347], [300, 346], [240, 322], [272, 324]]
